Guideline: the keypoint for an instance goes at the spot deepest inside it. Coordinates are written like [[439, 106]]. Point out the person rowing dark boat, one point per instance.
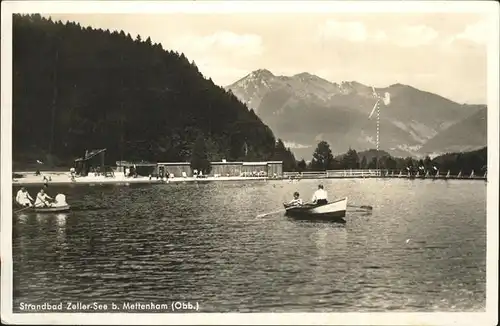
[[296, 201], [320, 196]]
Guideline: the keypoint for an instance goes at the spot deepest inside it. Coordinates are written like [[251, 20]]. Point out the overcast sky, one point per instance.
[[444, 53]]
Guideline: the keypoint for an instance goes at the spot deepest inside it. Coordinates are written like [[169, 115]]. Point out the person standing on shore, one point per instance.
[[23, 197], [72, 173]]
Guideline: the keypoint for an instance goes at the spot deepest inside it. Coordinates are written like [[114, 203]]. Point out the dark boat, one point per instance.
[[333, 212]]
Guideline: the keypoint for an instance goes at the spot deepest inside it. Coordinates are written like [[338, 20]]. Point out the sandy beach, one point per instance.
[[29, 178]]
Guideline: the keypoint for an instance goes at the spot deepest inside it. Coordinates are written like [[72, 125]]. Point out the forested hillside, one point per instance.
[[77, 88]]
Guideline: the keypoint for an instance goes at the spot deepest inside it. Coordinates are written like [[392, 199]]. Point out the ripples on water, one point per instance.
[[422, 249]]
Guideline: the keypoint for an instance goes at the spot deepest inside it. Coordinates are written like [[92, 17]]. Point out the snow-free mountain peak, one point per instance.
[[251, 88], [302, 107], [261, 73]]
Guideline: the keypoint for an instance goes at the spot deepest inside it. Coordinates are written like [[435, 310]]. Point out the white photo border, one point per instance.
[[488, 8]]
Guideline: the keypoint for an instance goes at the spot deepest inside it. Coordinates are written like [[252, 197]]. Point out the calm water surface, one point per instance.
[[423, 248]]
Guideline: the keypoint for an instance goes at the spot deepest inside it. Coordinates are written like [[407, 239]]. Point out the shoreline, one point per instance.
[[64, 178]]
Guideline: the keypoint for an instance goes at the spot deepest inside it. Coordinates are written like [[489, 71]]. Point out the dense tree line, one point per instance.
[[78, 88], [465, 162]]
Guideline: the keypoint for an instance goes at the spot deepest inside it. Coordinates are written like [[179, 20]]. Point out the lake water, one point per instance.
[[423, 247]]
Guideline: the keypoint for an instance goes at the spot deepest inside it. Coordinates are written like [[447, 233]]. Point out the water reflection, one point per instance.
[[331, 245], [203, 242], [41, 218], [22, 217], [61, 228]]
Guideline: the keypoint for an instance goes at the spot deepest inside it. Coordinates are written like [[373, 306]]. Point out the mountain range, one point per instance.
[[304, 109]]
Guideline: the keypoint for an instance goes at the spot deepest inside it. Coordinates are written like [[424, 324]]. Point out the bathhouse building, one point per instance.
[[224, 169], [275, 168], [178, 169], [141, 168], [254, 169]]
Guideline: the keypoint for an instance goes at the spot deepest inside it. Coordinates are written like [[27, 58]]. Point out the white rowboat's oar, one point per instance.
[[271, 213], [368, 207], [22, 209]]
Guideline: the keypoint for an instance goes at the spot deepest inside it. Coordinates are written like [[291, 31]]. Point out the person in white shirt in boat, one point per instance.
[[23, 197], [296, 201], [42, 199], [320, 197]]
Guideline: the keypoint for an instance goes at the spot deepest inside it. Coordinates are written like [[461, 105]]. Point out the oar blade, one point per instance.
[[20, 210], [270, 213], [368, 207]]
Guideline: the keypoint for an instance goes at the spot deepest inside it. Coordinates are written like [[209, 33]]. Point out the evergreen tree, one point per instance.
[[409, 162], [301, 165], [373, 163], [427, 162], [389, 163], [291, 163], [351, 159], [363, 163], [281, 153], [199, 157], [322, 157]]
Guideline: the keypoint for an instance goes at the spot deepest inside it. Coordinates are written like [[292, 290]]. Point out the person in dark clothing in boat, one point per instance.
[[296, 201], [320, 197]]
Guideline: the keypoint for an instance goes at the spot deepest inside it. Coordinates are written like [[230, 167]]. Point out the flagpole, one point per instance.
[[386, 101], [378, 132]]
